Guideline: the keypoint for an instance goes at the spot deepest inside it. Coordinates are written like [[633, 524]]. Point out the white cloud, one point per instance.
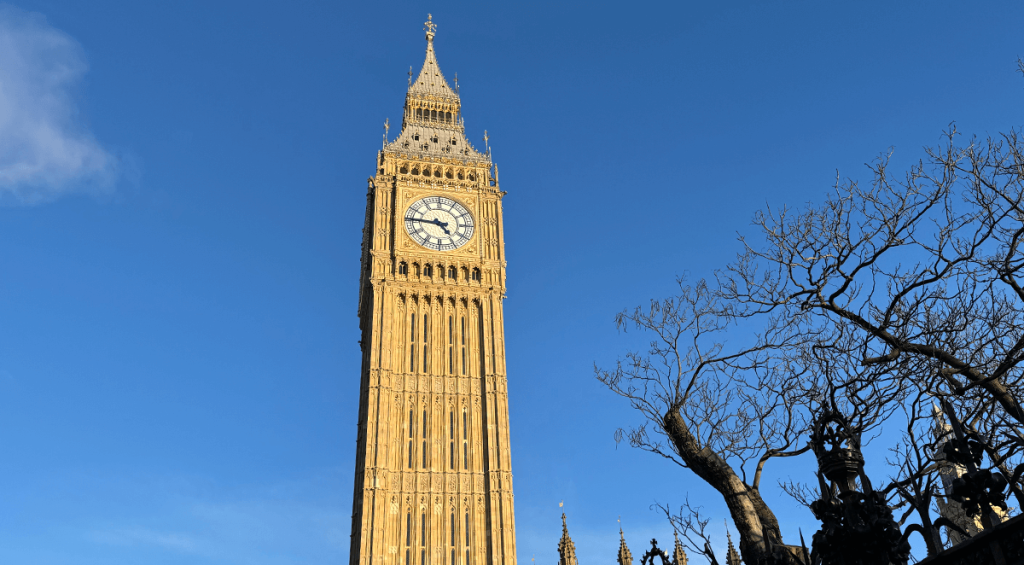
[[44, 151]]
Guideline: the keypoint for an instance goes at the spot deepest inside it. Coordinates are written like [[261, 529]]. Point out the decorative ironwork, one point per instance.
[[978, 491], [655, 551], [858, 528]]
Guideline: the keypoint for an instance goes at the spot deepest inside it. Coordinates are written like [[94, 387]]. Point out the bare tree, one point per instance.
[[926, 268], [721, 412], [901, 292]]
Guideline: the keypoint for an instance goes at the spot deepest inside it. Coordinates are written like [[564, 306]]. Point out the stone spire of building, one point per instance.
[[732, 557], [566, 549], [432, 124], [678, 555], [624, 557], [430, 80]]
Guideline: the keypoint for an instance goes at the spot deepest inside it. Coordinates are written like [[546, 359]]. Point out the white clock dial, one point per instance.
[[439, 223]]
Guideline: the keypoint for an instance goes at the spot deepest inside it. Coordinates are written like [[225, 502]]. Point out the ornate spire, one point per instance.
[[432, 125], [566, 549], [430, 81], [678, 555], [625, 557], [732, 557]]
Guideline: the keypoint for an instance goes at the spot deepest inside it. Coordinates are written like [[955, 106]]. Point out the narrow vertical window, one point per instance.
[[408, 528], [426, 333], [451, 440], [463, 322], [408, 536], [482, 358], [494, 349], [410, 438], [423, 538], [424, 439], [467, 539], [465, 440], [453, 535], [451, 343], [412, 345]]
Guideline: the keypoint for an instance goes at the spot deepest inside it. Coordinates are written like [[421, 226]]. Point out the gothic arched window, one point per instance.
[[451, 273], [403, 268]]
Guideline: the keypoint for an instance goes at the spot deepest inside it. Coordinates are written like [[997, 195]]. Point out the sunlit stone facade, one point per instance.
[[433, 481]]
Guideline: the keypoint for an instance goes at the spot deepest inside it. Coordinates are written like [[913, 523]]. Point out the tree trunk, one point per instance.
[[751, 516]]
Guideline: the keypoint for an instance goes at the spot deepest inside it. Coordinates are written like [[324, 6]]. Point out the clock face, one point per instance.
[[439, 223]]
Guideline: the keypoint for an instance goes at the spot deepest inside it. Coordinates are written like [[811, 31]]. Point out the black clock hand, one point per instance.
[[442, 225], [435, 221]]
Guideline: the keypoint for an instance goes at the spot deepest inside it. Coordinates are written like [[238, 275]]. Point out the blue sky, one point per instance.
[[182, 188]]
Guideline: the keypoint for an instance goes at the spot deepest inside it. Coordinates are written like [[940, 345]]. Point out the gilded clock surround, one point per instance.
[[433, 482]]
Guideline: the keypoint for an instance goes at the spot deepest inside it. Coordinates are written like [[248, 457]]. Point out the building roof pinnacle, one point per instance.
[[430, 80], [678, 554], [566, 549], [624, 557], [432, 126], [732, 557]]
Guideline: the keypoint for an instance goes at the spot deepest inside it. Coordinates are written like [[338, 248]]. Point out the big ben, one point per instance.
[[433, 481]]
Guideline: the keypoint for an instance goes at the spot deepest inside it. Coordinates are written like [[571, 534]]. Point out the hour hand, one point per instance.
[[435, 221]]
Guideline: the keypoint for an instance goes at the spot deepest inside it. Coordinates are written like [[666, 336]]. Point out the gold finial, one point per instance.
[[562, 502], [488, 147], [410, 75], [386, 127], [429, 26]]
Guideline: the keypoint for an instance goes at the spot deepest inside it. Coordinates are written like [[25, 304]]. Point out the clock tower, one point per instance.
[[433, 481]]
